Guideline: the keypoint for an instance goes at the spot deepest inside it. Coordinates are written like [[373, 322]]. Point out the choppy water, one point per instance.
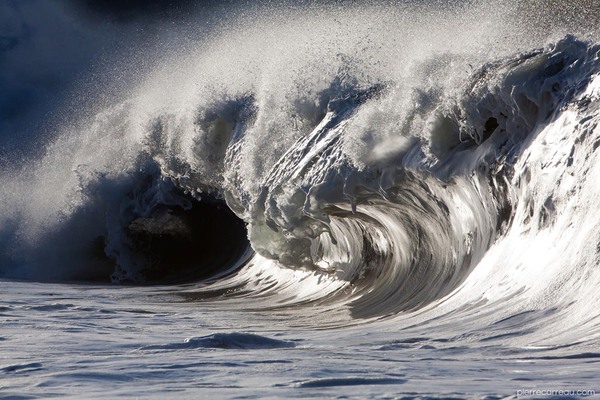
[[335, 200]]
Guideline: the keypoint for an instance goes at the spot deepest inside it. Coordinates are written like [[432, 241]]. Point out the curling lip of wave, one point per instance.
[[415, 228], [408, 231]]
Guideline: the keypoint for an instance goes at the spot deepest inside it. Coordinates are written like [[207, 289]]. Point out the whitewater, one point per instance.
[[321, 200]]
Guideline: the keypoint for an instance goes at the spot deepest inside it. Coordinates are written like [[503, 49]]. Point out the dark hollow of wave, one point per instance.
[[177, 245]]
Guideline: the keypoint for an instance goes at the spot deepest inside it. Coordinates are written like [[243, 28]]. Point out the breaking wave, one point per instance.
[[333, 161]]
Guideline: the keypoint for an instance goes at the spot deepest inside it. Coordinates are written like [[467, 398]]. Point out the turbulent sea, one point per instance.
[[284, 200]]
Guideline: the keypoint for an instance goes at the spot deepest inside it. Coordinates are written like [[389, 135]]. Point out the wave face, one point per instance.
[[361, 158]]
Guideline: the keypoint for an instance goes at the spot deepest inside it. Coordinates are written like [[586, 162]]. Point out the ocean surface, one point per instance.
[[300, 199]]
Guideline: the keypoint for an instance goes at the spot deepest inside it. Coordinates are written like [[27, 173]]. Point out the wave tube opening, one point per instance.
[[175, 244]]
